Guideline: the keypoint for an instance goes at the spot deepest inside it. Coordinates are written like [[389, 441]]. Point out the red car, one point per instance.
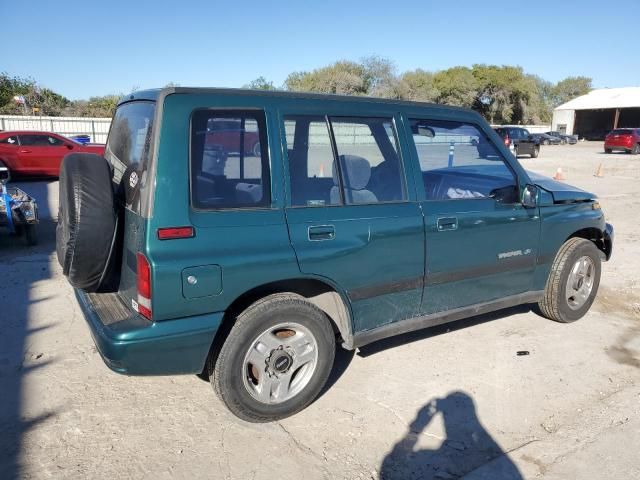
[[626, 139], [227, 133], [38, 153]]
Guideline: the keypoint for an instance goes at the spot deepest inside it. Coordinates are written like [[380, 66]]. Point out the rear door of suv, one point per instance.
[[352, 212]]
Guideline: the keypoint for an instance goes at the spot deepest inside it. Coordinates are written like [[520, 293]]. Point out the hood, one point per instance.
[[561, 192]]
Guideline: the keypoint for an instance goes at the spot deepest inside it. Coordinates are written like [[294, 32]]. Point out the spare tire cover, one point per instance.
[[86, 219]]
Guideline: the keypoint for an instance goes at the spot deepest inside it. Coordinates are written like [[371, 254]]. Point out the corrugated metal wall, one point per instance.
[[96, 128]]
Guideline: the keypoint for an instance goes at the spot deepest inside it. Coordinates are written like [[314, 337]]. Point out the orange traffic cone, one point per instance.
[[599, 172], [559, 174], [321, 172]]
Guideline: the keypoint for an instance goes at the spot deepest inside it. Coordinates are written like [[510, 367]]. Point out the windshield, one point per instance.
[[129, 147], [622, 131]]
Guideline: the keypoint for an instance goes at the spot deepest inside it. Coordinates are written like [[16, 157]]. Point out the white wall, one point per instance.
[[564, 117], [96, 128]]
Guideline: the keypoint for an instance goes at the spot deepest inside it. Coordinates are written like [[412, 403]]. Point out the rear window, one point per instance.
[[129, 148], [622, 131]]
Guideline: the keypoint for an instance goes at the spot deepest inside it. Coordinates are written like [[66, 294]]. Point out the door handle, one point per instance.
[[447, 223], [322, 232], [25, 151]]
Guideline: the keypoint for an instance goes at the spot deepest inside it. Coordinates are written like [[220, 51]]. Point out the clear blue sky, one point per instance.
[[85, 48]]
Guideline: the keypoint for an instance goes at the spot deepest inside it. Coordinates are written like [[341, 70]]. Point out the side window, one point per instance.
[[311, 161], [54, 141], [370, 165], [229, 160], [34, 140], [13, 140], [369, 169], [458, 161]]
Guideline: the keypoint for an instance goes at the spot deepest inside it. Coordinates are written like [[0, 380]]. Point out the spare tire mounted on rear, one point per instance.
[[86, 228]]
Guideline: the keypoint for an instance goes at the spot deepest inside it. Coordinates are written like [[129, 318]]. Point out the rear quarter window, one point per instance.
[[229, 160], [129, 147]]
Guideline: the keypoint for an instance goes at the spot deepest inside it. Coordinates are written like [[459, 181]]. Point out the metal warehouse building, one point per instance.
[[595, 114]]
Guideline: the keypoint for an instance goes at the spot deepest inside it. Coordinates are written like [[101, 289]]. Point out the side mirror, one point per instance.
[[69, 146], [530, 196], [5, 176], [423, 129]]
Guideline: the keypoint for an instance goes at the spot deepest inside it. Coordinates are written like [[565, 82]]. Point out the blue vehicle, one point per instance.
[[18, 210]]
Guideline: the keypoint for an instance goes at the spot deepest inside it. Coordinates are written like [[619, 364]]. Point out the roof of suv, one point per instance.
[[155, 94]]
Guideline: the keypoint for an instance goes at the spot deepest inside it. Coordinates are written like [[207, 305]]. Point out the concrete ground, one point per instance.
[[454, 401]]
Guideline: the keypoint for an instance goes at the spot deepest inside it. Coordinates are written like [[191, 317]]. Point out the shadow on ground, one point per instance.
[[425, 333], [467, 446], [21, 267]]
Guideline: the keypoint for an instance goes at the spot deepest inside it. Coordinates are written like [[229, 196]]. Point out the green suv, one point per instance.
[[241, 235]]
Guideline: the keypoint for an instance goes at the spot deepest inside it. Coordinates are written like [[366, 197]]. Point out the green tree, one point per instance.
[[504, 93], [456, 86], [418, 85], [342, 77], [38, 100], [570, 88], [260, 83]]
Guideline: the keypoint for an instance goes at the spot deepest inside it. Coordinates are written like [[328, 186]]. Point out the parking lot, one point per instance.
[[454, 401]]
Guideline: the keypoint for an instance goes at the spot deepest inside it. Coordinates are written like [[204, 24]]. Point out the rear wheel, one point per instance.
[[636, 149], [536, 152], [607, 150], [276, 359], [573, 281]]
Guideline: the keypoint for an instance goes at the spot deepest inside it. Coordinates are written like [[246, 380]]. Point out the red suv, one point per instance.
[[626, 139], [38, 153]]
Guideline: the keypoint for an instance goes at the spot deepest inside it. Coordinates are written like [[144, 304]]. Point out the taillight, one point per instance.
[[507, 140], [144, 285]]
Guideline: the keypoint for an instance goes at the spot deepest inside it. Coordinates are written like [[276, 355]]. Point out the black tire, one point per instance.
[[536, 152], [546, 142], [228, 378], [554, 304], [31, 234], [636, 149], [86, 219], [607, 150]]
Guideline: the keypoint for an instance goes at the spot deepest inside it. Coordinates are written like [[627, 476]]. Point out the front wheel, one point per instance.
[[276, 359], [607, 150], [573, 281], [636, 149]]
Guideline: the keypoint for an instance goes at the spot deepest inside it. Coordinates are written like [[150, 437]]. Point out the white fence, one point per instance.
[[96, 128]]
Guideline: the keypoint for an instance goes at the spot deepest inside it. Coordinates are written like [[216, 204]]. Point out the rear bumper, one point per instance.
[[618, 146], [136, 346]]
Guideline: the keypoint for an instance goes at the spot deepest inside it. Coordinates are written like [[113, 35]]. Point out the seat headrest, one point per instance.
[[357, 174]]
